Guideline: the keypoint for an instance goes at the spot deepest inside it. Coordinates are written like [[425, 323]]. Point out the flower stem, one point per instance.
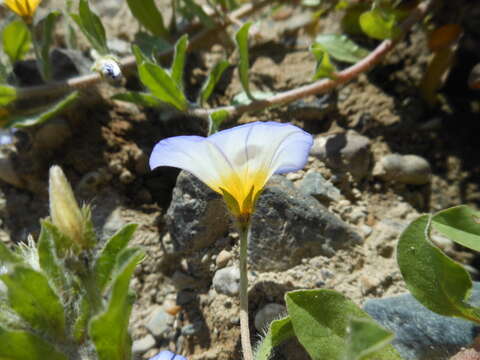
[[244, 328]]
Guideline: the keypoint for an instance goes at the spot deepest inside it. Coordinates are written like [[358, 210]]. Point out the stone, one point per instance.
[[143, 344], [160, 322], [267, 314], [197, 216], [227, 281], [347, 151], [8, 171], [404, 169], [419, 333], [314, 184], [223, 258], [182, 281], [52, 134], [288, 226]]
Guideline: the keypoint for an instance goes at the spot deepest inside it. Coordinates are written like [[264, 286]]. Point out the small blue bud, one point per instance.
[[168, 355]]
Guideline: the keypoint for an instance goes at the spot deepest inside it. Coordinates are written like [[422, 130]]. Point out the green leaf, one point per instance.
[[159, 82], [436, 281], [22, 121], [31, 296], [7, 256], [17, 40], [47, 255], [197, 10], [378, 24], [242, 45], [213, 78], [61, 241], [178, 63], [7, 94], [109, 330], [460, 224], [108, 256], [366, 337], [341, 48], [325, 68], [91, 26], [146, 12], [21, 345], [47, 26], [216, 119], [321, 321], [139, 98], [278, 332]]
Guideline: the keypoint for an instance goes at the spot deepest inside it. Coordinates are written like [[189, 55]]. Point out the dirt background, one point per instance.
[[104, 145]]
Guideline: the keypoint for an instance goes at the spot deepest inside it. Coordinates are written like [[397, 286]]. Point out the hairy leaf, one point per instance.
[[49, 261], [242, 45], [278, 332], [341, 48], [325, 68], [159, 82], [213, 78], [109, 330], [47, 26], [365, 338], [460, 224], [216, 119], [146, 12], [31, 296], [91, 26], [178, 63], [436, 281]]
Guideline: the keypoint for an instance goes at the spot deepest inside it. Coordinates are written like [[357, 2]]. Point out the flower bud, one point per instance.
[[64, 209]]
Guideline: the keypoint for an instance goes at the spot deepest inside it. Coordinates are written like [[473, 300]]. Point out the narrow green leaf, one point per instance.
[[178, 63], [242, 45], [23, 121], [108, 256], [366, 337], [91, 26], [460, 224], [216, 119], [47, 26], [321, 321], [17, 40], [436, 281], [159, 82], [7, 256], [213, 78], [146, 12], [140, 56], [7, 94], [61, 241], [109, 330], [49, 261], [278, 332], [325, 68], [378, 24], [21, 345], [194, 8], [139, 98], [31, 296], [341, 48]]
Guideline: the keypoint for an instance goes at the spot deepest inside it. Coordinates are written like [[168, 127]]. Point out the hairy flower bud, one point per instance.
[[64, 209]]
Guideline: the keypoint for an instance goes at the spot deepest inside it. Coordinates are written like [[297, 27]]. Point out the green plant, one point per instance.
[[67, 297]]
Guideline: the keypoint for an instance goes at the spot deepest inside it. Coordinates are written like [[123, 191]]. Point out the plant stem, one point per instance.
[[244, 326]]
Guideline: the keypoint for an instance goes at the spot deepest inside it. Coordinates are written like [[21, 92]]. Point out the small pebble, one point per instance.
[[405, 169], [160, 322], [223, 258], [227, 281], [143, 344]]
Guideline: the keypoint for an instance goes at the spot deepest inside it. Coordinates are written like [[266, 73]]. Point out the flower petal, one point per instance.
[[292, 154], [193, 154], [168, 355]]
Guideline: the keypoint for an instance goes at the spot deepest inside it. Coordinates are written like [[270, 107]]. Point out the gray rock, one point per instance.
[[143, 344], [267, 314], [316, 185], [419, 333], [288, 226], [160, 322], [347, 151], [197, 216], [182, 281], [405, 169], [227, 281]]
